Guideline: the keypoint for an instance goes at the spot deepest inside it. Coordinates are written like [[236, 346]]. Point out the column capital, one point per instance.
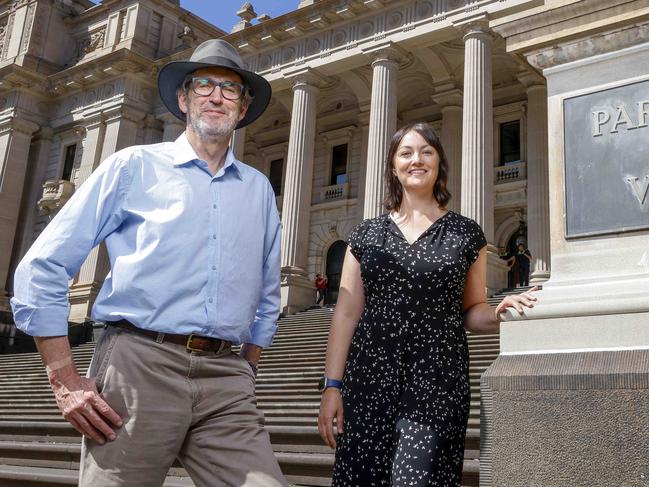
[[123, 112], [305, 78], [450, 98], [477, 27], [45, 133], [168, 118], [20, 125], [531, 80], [385, 53]]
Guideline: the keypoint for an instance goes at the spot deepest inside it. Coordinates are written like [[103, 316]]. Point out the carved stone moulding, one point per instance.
[[55, 194]]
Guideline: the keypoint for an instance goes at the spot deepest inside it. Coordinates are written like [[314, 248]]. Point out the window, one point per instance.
[[338, 164], [275, 177], [68, 165], [510, 142]]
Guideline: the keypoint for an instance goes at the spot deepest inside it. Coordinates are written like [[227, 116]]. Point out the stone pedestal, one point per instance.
[[566, 401], [297, 290]]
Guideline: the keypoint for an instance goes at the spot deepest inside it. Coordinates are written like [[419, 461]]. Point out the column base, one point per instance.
[[539, 277], [496, 271], [298, 292], [82, 297], [551, 420]]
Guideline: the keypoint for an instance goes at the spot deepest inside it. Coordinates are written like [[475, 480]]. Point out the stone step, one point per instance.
[[286, 392]]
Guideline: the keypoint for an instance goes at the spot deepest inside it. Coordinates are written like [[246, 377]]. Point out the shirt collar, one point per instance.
[[185, 153]]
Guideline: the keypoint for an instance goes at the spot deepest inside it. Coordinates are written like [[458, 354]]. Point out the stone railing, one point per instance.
[[56, 193], [513, 172], [334, 193]]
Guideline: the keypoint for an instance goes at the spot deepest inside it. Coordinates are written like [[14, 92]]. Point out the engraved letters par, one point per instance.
[[620, 117]]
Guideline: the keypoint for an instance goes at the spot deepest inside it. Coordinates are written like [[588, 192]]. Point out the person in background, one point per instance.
[[321, 288], [397, 370], [523, 259]]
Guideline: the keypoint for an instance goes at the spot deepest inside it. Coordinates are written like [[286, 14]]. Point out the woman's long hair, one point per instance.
[[394, 190]]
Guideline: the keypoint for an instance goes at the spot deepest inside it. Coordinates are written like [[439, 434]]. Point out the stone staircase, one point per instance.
[[38, 448]]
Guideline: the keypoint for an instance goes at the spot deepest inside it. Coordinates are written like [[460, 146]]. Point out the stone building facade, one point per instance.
[[78, 82]]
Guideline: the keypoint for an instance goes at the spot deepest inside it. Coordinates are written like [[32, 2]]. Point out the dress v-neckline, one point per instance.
[[402, 235]]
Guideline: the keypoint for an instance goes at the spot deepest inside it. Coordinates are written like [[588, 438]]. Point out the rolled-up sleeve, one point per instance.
[[265, 324], [40, 302]]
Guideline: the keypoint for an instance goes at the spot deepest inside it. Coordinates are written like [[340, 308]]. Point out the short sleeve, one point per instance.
[[475, 241], [356, 240]]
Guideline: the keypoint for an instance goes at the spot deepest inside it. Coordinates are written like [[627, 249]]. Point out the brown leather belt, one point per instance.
[[193, 343]]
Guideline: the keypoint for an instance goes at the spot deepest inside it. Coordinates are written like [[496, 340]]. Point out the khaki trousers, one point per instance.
[[197, 407]]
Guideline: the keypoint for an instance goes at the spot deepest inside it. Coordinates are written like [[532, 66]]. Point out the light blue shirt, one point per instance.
[[189, 252]]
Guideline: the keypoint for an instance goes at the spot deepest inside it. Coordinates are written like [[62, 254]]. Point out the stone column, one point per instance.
[[477, 144], [383, 123], [15, 139], [172, 127], [152, 130], [297, 289], [364, 122], [451, 138], [238, 143], [538, 212], [33, 192], [115, 130]]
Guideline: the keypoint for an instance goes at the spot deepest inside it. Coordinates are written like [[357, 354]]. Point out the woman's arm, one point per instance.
[[479, 317], [351, 301]]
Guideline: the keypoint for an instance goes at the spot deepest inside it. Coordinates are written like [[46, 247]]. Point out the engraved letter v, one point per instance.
[[639, 191]]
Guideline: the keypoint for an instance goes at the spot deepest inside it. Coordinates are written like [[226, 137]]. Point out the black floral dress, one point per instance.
[[406, 384]]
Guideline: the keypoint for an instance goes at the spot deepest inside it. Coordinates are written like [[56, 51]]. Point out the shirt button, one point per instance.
[[210, 300], [214, 236], [214, 206], [213, 267]]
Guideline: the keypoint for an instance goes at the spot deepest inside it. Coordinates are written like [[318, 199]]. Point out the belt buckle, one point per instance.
[[189, 347]]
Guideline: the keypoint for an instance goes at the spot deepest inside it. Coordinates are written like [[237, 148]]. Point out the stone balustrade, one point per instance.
[[513, 172], [334, 192], [56, 193]]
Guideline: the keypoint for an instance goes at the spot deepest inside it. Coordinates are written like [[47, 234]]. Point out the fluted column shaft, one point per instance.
[[383, 123], [477, 131], [296, 206], [452, 143], [538, 213]]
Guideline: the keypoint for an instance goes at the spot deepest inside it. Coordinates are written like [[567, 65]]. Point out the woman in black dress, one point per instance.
[[397, 371]]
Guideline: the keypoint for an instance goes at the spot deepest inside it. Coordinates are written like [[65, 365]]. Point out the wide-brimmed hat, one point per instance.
[[210, 54]]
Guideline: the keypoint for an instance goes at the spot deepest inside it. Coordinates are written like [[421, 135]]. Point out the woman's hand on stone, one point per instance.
[[517, 301]]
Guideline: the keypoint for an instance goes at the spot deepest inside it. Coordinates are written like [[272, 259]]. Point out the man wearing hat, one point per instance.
[[193, 238]]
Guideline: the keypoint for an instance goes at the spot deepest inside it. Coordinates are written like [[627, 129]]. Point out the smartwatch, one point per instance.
[[326, 382]]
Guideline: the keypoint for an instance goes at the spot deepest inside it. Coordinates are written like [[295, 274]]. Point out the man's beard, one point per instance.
[[219, 130]]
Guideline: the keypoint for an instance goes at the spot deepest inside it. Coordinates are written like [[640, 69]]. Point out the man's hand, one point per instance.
[[76, 397], [81, 405], [251, 353]]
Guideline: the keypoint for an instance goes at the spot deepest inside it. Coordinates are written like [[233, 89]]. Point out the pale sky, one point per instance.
[[222, 13]]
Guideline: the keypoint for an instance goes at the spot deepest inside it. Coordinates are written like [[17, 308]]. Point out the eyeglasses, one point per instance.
[[230, 90]]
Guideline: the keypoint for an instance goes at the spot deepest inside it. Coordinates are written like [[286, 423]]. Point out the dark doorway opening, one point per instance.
[[335, 257]]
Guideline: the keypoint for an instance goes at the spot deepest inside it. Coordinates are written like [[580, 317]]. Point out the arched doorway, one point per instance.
[[335, 257]]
